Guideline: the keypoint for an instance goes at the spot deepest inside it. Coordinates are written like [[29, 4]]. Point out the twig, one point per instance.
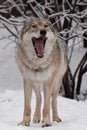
[[18, 8], [10, 22], [10, 31], [71, 51], [33, 10], [7, 45]]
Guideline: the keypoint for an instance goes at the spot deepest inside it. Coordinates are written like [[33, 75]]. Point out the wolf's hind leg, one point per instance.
[[27, 107]]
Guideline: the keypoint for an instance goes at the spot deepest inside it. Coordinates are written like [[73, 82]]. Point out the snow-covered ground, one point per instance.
[[72, 112]]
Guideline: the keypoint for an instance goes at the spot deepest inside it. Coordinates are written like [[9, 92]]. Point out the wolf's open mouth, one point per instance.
[[39, 45]]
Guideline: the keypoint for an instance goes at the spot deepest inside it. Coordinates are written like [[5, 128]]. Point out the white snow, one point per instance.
[[72, 112]]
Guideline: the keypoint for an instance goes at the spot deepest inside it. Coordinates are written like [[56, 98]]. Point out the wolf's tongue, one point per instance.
[[39, 47]]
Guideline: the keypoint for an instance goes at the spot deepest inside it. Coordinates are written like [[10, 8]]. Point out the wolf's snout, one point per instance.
[[43, 32]]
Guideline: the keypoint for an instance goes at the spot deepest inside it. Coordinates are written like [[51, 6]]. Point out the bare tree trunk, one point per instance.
[[85, 40], [82, 68], [68, 84]]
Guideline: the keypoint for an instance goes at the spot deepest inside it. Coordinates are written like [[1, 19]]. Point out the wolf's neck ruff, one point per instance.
[[29, 64]]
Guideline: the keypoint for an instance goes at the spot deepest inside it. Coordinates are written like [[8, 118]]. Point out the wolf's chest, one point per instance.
[[40, 75]]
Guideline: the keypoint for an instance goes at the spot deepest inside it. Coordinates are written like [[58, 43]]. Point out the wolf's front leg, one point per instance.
[[46, 109], [27, 102], [37, 114]]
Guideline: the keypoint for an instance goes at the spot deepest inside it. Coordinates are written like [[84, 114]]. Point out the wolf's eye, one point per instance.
[[45, 25], [34, 26]]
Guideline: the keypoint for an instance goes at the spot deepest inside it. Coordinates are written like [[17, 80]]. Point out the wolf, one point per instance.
[[41, 58]]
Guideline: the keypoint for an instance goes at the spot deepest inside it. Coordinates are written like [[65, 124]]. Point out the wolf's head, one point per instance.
[[37, 38]]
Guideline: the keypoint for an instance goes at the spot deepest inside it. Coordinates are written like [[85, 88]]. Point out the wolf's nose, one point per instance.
[[43, 32]]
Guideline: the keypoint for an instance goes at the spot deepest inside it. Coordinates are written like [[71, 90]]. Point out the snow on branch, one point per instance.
[[10, 21], [66, 16]]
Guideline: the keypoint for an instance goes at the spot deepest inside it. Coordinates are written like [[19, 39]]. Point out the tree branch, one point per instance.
[[10, 31]]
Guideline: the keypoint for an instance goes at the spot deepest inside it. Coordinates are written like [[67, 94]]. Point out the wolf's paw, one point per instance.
[[46, 122], [57, 119], [36, 119], [24, 123]]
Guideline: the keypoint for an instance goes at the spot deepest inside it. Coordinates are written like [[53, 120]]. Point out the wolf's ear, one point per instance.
[[46, 17], [26, 23]]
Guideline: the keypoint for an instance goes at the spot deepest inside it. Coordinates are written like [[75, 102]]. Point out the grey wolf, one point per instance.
[[41, 60]]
